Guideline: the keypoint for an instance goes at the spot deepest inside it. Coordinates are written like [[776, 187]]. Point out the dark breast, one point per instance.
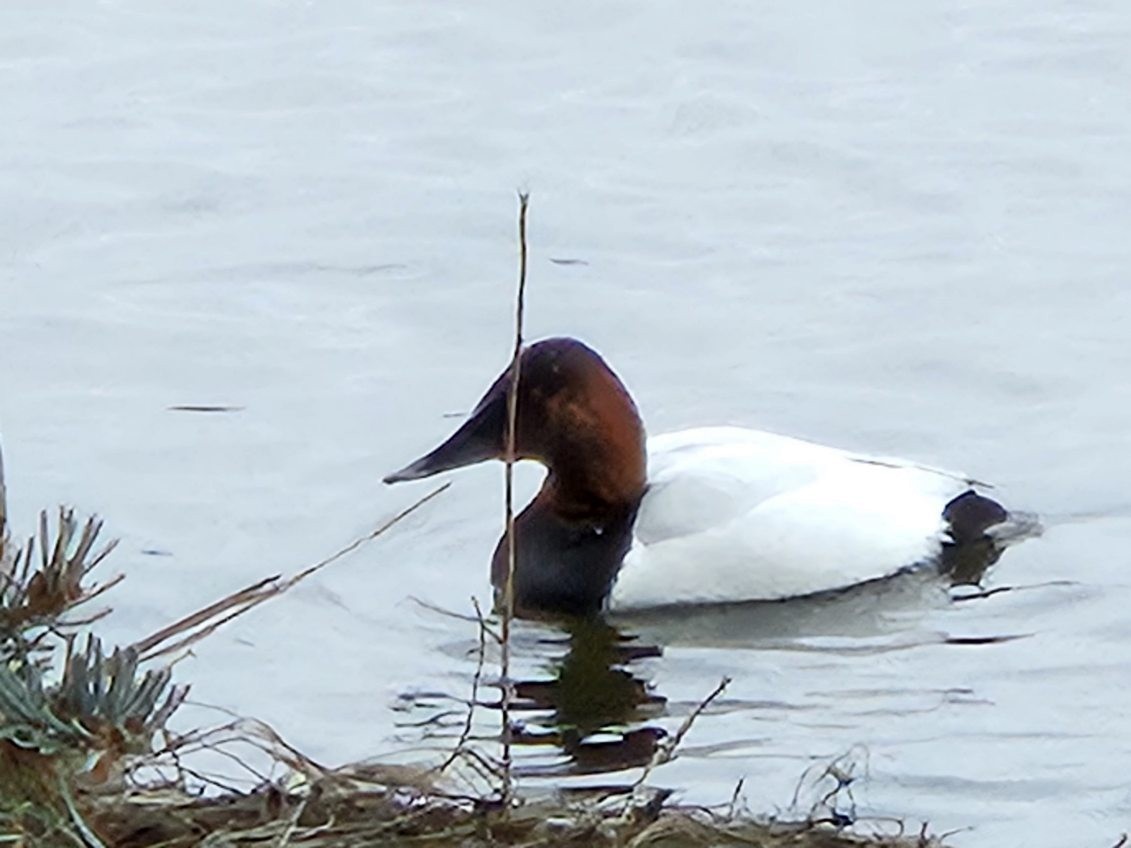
[[562, 567]]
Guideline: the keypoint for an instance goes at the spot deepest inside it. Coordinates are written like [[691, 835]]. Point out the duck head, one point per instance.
[[574, 415]]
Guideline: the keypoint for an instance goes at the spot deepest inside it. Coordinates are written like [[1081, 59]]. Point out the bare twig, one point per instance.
[[206, 620], [458, 616], [512, 418], [734, 798], [841, 770], [943, 837], [190, 621], [666, 750], [3, 501], [461, 743], [292, 825]]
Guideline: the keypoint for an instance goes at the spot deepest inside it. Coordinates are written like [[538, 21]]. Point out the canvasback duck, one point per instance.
[[701, 516]]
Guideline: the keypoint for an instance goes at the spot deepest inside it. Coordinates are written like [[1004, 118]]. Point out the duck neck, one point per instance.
[[595, 484]]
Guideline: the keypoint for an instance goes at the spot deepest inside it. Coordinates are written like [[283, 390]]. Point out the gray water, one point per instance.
[[898, 228]]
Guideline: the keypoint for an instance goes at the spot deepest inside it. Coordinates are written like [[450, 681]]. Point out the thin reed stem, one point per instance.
[[508, 590], [193, 627]]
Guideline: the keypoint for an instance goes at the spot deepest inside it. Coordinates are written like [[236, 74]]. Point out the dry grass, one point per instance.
[[350, 814]]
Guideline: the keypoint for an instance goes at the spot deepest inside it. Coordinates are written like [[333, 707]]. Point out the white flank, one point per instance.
[[742, 515]]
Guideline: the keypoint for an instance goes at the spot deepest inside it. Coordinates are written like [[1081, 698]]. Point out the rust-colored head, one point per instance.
[[574, 416]]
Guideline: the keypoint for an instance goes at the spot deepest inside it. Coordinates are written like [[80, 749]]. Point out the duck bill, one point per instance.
[[479, 439]]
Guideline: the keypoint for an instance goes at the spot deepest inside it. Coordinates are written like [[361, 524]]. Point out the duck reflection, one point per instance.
[[891, 607], [593, 699], [593, 704], [597, 705], [966, 564]]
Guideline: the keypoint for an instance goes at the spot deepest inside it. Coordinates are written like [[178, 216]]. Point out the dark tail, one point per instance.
[[970, 515], [980, 529]]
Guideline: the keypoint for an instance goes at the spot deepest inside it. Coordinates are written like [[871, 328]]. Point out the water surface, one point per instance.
[[898, 229]]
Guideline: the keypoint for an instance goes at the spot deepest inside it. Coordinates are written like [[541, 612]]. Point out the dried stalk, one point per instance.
[[465, 734], [3, 504], [665, 751], [205, 621], [511, 456]]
